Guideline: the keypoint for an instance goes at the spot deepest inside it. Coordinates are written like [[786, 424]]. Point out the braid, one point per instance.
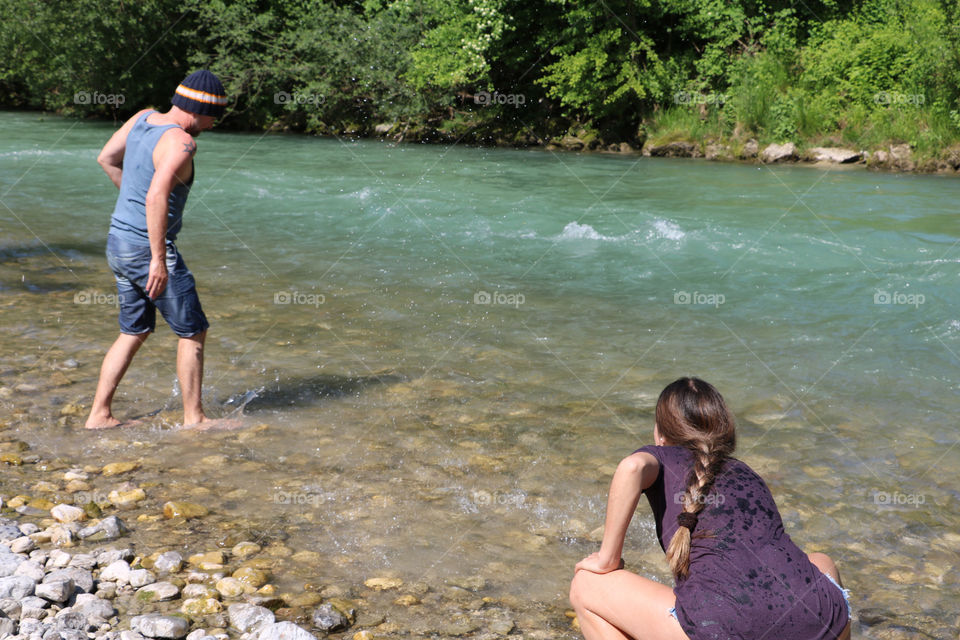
[[692, 414], [706, 464]]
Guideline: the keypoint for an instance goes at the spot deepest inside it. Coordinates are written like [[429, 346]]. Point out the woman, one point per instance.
[[737, 573]]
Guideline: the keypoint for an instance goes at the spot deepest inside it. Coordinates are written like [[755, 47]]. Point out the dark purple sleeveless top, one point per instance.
[[749, 580]]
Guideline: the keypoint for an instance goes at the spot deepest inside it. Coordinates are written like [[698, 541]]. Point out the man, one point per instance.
[[150, 159]]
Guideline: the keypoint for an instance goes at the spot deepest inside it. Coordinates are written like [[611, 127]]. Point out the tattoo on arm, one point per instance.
[[189, 147]]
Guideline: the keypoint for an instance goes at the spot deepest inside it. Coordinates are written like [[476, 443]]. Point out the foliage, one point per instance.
[[866, 72]]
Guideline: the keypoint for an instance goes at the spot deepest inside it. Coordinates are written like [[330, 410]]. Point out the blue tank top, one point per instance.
[[129, 219]]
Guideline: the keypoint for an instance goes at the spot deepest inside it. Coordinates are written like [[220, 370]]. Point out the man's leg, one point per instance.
[[114, 365], [190, 373]]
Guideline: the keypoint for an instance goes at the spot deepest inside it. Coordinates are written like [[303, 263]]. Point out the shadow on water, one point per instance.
[[308, 391]]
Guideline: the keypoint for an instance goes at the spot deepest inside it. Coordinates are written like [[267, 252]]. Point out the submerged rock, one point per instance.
[[181, 509], [109, 528], [326, 617]]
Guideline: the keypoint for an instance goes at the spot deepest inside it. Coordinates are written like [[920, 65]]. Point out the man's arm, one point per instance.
[[111, 156], [172, 162]]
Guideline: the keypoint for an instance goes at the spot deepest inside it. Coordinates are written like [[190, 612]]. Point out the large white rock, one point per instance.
[[154, 625], [117, 571], [248, 617], [67, 513], [779, 153], [283, 631]]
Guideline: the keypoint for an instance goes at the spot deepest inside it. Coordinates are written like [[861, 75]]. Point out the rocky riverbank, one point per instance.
[[897, 157], [74, 568]]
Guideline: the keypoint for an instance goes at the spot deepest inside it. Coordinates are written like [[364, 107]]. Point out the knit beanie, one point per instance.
[[201, 93]]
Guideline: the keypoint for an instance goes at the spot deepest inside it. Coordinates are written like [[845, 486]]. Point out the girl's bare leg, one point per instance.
[[621, 605], [827, 566]]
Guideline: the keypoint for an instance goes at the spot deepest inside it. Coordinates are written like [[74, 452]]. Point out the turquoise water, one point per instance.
[[475, 337]]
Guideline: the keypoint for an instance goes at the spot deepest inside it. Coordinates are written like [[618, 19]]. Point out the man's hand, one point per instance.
[[156, 278], [594, 564]]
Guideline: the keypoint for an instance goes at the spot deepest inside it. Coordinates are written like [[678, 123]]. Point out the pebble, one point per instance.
[[117, 571], [141, 578], [230, 587], [254, 577], [154, 625], [92, 606], [245, 549], [109, 528], [117, 468], [382, 584], [31, 570], [158, 592], [128, 498], [283, 631], [76, 474], [23, 545], [186, 510], [9, 563], [199, 607], [248, 617], [168, 562], [81, 578], [199, 590], [16, 587], [55, 590], [328, 618]]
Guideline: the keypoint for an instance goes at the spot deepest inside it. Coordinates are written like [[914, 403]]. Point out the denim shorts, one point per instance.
[[178, 304]]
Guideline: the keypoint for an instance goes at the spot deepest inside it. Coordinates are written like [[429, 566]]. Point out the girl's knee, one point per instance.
[[826, 565]]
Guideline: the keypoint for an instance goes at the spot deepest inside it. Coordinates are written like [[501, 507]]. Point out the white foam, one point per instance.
[[577, 231], [668, 230]]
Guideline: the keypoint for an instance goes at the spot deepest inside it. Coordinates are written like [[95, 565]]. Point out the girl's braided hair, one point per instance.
[[691, 413]]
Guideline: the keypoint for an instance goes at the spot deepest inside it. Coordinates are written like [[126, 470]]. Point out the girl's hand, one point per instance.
[[594, 564]]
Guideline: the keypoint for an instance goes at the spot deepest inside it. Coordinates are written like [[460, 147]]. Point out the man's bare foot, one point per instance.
[[213, 424], [101, 422]]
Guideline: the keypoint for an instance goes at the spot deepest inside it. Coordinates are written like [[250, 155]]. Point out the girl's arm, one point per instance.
[[634, 474]]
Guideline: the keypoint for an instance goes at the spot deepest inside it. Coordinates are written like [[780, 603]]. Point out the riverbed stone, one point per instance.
[[109, 528], [326, 617], [183, 509], [199, 607], [10, 607], [55, 590], [117, 468], [155, 625], [383, 583], [248, 617], [117, 571], [30, 569], [210, 557], [199, 590], [67, 513], [58, 559], [283, 631], [245, 549], [126, 498], [230, 587], [16, 587], [23, 544], [158, 592], [9, 530], [168, 562], [256, 578], [81, 578], [9, 563], [141, 578], [7, 627], [93, 607]]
